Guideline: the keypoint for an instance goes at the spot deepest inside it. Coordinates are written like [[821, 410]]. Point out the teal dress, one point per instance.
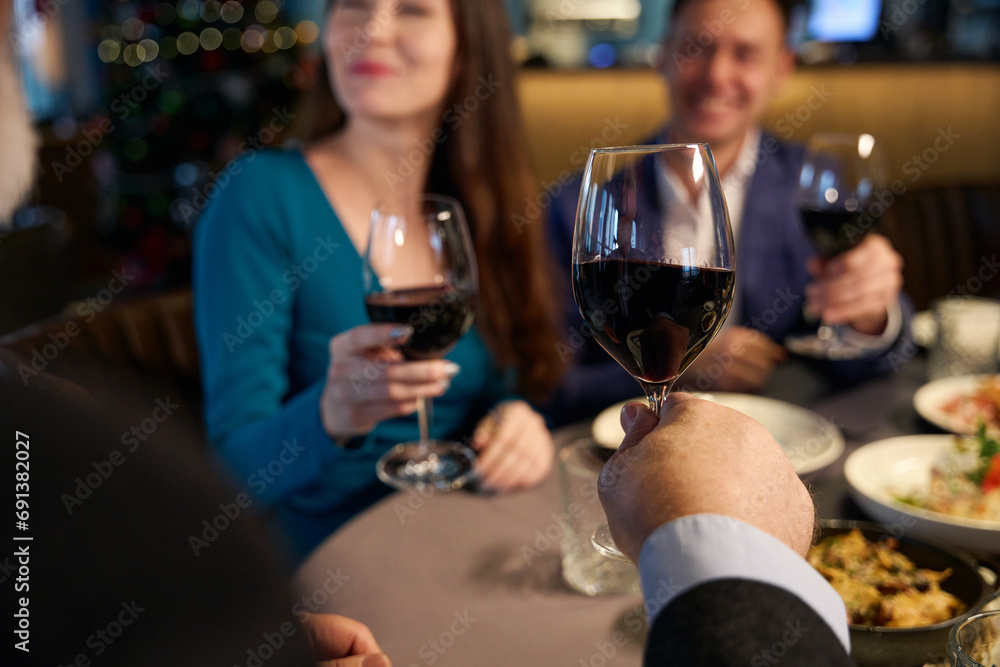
[[275, 278]]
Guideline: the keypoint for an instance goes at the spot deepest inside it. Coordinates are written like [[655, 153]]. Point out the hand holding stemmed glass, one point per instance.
[[420, 272], [653, 279], [835, 194]]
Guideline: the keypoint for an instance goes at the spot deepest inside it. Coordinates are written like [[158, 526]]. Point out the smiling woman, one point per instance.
[[415, 96]]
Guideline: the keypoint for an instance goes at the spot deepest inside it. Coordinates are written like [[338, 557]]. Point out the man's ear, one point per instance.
[[785, 67]]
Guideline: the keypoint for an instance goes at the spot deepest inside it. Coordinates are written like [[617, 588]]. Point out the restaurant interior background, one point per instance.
[[141, 104]]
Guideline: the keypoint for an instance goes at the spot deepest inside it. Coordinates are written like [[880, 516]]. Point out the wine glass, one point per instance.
[[653, 263], [835, 193], [420, 270]]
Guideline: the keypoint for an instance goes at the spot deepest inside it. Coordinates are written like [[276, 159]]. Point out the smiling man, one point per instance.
[[723, 62]]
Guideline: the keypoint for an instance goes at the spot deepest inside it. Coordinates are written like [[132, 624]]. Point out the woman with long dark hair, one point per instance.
[[417, 96]]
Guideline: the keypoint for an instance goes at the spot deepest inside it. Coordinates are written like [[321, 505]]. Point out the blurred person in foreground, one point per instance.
[[417, 96], [720, 82], [109, 575], [720, 548]]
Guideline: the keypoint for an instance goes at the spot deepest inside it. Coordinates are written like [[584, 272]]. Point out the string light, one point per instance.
[[132, 29], [231, 39], [252, 39], [188, 9], [108, 50], [151, 48], [113, 48], [211, 39], [187, 43], [284, 37], [266, 11], [134, 55], [269, 45], [210, 11], [307, 32], [232, 11]]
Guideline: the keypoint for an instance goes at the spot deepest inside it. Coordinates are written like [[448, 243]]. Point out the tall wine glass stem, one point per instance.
[[424, 411]]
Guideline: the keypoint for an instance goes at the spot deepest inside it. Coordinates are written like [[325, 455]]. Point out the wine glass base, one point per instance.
[[818, 347], [439, 464], [605, 544]]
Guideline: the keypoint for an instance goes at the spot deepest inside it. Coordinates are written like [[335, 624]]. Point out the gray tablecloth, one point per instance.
[[466, 580]]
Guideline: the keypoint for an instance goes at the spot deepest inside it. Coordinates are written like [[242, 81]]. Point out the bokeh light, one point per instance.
[[253, 39], [187, 43], [188, 9], [108, 50], [307, 32], [232, 11], [266, 11], [284, 37], [151, 48], [132, 29], [231, 38], [210, 11], [134, 55], [211, 39]]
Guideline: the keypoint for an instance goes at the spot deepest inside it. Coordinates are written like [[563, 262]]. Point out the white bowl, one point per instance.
[[901, 466], [930, 398]]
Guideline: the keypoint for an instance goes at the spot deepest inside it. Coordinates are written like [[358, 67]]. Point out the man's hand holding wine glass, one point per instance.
[[665, 465], [857, 287]]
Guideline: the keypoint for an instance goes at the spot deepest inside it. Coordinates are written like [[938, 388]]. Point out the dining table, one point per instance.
[[468, 579]]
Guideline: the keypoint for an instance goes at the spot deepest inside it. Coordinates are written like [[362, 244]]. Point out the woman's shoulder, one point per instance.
[[257, 192], [268, 165]]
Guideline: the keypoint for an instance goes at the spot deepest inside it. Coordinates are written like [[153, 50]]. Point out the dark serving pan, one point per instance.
[[914, 647]]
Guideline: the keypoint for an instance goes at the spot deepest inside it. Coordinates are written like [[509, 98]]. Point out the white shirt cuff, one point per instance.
[[695, 549], [883, 341]]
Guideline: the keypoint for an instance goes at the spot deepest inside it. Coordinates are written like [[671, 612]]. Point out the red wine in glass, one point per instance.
[[420, 270], [837, 183], [653, 270], [833, 231], [662, 319], [439, 316]]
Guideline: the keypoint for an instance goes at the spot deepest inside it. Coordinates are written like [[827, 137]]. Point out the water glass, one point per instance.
[[968, 337], [583, 568], [975, 642]]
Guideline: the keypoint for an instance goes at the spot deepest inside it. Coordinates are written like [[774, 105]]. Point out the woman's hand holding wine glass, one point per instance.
[[368, 379], [420, 273]]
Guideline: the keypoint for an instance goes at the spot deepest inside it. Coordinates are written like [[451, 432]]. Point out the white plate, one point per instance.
[[929, 399], [924, 329], [810, 441], [903, 465]]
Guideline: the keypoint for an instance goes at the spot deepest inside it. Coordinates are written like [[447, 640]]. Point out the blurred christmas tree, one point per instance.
[[190, 86]]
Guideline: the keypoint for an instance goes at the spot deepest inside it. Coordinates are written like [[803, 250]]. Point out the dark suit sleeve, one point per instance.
[[741, 622]]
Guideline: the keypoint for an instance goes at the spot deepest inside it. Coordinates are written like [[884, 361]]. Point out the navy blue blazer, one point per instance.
[[770, 268]]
